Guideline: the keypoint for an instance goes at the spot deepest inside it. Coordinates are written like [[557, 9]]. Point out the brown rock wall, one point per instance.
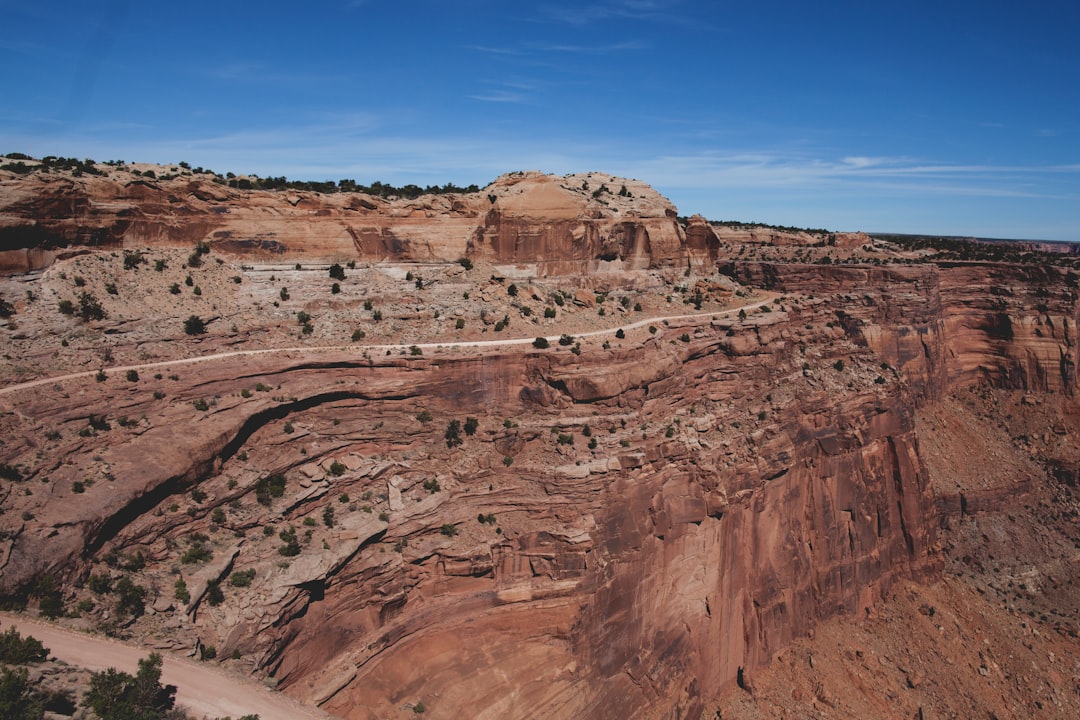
[[526, 218]]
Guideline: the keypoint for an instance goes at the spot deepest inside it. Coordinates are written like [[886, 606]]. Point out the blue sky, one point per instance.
[[953, 117]]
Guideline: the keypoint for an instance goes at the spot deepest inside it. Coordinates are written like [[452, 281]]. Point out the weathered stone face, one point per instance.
[[546, 221], [628, 531]]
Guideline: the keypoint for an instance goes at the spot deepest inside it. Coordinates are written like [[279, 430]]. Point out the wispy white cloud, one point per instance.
[[591, 49], [500, 96], [668, 12], [495, 50]]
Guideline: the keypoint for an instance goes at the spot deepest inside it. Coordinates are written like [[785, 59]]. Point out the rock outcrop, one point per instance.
[[620, 524], [559, 224]]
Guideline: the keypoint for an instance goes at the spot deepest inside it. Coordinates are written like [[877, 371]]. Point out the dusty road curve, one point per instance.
[[361, 348], [203, 690]]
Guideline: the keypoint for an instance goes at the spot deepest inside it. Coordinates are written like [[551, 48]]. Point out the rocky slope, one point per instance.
[[384, 511]]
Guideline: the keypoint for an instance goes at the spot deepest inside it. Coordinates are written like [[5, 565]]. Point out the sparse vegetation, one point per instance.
[[194, 325], [453, 434], [269, 488], [115, 695]]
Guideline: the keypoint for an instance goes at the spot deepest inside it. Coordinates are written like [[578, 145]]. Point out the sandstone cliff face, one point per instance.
[[750, 477], [733, 498], [630, 526], [554, 224], [1013, 326]]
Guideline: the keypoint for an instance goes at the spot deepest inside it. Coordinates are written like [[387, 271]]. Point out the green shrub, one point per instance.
[[129, 596], [242, 578], [291, 546], [453, 433], [270, 487], [215, 597], [100, 584], [197, 552], [541, 343], [18, 698], [194, 325], [90, 307], [180, 591], [114, 695], [17, 650]]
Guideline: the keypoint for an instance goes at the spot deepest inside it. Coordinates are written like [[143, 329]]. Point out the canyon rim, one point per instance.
[[546, 449]]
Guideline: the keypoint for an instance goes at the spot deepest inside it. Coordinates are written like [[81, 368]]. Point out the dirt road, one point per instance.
[[378, 348], [203, 690]]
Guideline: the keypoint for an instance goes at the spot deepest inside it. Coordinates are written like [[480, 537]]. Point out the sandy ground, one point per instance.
[[203, 691]]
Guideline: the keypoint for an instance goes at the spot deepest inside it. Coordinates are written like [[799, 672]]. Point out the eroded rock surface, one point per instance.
[[626, 523]]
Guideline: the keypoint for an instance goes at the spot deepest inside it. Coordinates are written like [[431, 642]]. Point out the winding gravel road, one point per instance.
[[507, 342], [203, 690]]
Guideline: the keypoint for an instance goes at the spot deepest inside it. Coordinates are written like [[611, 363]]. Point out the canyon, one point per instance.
[[735, 450]]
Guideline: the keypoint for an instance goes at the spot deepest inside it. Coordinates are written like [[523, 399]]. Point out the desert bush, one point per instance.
[[133, 259], [114, 695], [18, 699], [194, 325], [129, 597], [453, 433], [18, 650], [291, 546], [242, 578], [270, 487], [180, 591], [90, 307], [197, 552]]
